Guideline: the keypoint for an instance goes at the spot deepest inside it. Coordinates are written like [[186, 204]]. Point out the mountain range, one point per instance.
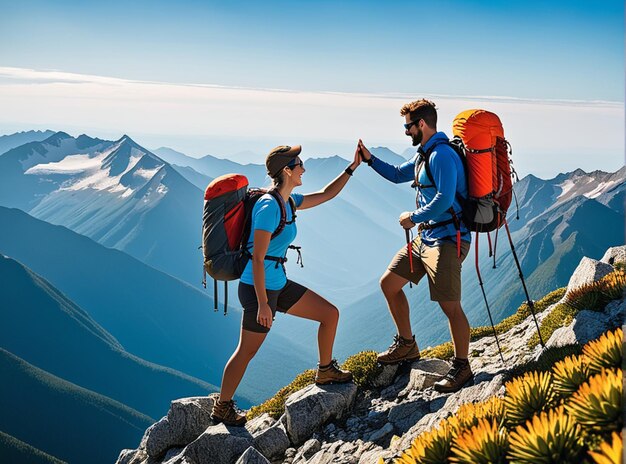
[[102, 270]]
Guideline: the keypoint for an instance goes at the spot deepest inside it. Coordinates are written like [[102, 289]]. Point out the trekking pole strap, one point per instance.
[[225, 297], [215, 295]]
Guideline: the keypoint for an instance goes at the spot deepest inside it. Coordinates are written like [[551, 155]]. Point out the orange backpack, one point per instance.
[[480, 135]]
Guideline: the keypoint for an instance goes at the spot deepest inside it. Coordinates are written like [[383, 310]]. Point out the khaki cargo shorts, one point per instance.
[[440, 263]]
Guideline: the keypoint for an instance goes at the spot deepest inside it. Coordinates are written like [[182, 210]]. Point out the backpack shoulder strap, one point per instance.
[[283, 211], [292, 204]]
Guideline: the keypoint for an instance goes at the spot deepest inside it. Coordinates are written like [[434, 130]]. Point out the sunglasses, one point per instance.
[[411, 124], [293, 164]]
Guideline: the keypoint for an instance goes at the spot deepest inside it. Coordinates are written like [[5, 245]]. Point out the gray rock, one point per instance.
[[424, 373], [404, 415], [352, 423], [172, 453], [385, 378], [385, 432], [588, 325], [128, 456], [186, 419], [311, 407], [252, 456], [262, 422], [272, 442], [588, 271], [309, 448], [372, 456], [615, 255], [216, 445]]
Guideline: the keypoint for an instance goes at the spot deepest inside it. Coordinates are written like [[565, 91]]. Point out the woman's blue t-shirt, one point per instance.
[[266, 216]]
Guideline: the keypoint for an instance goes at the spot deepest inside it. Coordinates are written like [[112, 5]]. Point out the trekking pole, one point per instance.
[[410, 252], [482, 288], [529, 302]]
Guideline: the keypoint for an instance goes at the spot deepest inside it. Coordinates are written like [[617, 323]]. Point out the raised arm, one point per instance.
[[405, 172], [333, 188]]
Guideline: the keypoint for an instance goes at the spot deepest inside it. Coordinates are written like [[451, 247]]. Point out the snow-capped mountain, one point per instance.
[[115, 192]]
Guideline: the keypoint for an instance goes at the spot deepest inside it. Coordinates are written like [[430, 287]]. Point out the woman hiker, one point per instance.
[[264, 287]]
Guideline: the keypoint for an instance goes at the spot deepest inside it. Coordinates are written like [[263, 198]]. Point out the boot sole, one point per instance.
[[390, 363], [217, 421], [468, 383], [331, 382]]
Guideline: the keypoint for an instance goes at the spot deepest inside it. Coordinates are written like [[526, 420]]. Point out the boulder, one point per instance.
[[615, 255], [128, 456], [259, 423], [385, 378], [424, 373], [588, 271], [307, 450], [381, 434], [272, 442], [311, 407], [218, 444], [252, 456], [588, 325], [186, 419]]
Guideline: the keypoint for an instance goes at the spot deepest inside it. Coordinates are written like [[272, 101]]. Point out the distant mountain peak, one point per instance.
[[57, 137]]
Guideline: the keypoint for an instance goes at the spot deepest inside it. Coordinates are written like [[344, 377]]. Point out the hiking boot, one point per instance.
[[400, 350], [226, 413], [332, 374], [458, 376]]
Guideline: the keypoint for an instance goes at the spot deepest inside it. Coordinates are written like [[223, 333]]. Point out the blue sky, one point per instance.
[[219, 78], [529, 49]]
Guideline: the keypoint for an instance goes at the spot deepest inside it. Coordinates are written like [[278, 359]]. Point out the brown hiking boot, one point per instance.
[[400, 350], [458, 376], [332, 374], [226, 413]]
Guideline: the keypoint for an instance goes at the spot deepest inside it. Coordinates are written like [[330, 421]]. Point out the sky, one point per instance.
[[224, 77]]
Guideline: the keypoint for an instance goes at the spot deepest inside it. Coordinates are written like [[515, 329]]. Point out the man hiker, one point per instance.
[[441, 242]]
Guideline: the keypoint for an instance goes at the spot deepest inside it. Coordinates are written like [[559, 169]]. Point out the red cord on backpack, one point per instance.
[[408, 249]]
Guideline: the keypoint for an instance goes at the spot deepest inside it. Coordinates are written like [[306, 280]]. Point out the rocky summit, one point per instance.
[[347, 424]]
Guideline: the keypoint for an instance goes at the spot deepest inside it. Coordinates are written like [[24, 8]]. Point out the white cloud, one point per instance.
[[548, 136]]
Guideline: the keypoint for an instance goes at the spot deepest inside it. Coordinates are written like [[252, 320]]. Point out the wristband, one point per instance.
[[349, 171], [370, 161]]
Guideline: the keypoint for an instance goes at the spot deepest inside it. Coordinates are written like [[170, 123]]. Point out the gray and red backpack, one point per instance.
[[226, 226]]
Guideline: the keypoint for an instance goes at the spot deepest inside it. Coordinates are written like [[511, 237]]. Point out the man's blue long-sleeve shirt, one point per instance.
[[433, 203]]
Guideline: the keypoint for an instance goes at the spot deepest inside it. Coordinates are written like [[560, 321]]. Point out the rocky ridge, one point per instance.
[[345, 424]]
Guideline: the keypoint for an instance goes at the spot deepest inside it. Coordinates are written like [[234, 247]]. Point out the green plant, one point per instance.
[[560, 316], [609, 453], [605, 352], [550, 437], [596, 295], [570, 374], [443, 351], [597, 404], [528, 395], [275, 406], [483, 443], [522, 313], [364, 367]]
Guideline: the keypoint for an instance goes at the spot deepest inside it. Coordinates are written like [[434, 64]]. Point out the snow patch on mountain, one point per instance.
[[102, 171], [602, 188]]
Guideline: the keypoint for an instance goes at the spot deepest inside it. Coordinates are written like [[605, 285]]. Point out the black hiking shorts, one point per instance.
[[279, 300]]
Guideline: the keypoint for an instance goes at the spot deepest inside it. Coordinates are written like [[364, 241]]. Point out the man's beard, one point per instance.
[[417, 139]]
